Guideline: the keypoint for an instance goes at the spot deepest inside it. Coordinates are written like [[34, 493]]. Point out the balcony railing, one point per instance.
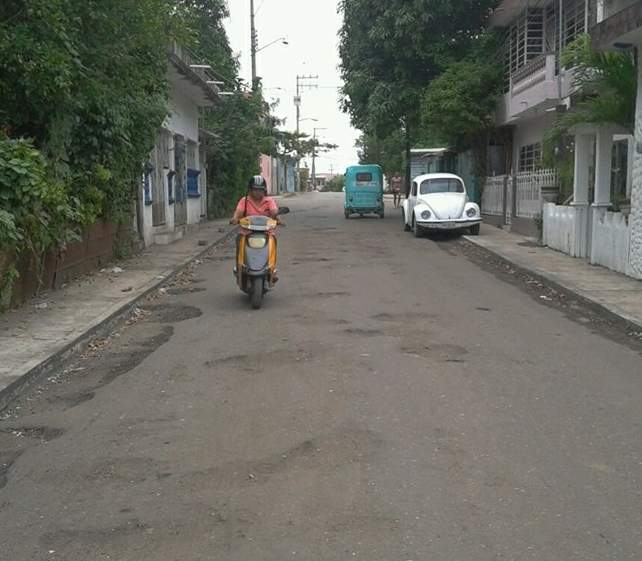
[[532, 67]]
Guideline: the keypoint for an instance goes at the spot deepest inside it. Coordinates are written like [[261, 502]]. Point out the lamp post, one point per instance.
[[255, 43], [314, 153]]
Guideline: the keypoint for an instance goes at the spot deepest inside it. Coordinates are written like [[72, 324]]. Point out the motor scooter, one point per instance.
[[256, 254]]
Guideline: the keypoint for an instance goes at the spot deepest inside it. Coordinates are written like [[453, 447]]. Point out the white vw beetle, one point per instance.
[[439, 201]]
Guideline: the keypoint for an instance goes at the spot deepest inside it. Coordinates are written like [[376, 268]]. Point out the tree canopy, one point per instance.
[[391, 51]]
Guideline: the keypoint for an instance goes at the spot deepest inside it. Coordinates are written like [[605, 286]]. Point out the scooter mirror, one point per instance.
[[283, 210]]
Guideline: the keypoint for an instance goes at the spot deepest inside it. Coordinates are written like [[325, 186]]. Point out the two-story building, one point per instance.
[[174, 186], [536, 87], [616, 237]]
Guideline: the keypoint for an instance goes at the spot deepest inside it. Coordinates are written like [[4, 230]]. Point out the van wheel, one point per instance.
[[347, 214], [406, 228], [382, 215], [256, 293]]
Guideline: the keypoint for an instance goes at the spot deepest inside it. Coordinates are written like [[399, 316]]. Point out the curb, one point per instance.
[[100, 329], [561, 286]]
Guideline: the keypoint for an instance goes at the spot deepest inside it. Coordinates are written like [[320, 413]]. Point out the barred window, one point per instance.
[[530, 156], [574, 22], [526, 41]]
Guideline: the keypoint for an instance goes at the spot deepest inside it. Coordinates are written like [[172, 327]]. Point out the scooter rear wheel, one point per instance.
[[256, 293]]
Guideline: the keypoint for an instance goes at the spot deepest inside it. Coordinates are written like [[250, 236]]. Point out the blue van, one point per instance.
[[364, 191]]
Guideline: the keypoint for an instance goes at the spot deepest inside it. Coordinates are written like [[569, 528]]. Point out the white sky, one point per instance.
[[311, 27]]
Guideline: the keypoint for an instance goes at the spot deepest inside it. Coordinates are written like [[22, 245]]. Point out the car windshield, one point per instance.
[[443, 185]]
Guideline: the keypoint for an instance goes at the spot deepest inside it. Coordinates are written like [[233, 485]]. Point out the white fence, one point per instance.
[[529, 189], [493, 195], [565, 228], [610, 240], [524, 193]]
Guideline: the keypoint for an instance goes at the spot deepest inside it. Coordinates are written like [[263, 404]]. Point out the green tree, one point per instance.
[[335, 184], [387, 64], [458, 106]]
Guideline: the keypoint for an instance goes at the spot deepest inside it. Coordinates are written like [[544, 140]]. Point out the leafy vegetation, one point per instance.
[[458, 105], [604, 91], [335, 184], [84, 92], [388, 64]]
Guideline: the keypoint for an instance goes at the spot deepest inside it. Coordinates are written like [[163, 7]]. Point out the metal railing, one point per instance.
[[529, 186], [532, 67], [493, 195]]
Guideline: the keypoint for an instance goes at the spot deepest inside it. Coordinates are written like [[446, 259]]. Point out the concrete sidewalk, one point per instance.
[[35, 337], [616, 293]]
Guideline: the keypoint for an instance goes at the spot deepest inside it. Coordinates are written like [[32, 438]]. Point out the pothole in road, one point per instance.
[[7, 459], [43, 434], [438, 352], [255, 362], [185, 290], [171, 313], [363, 332]]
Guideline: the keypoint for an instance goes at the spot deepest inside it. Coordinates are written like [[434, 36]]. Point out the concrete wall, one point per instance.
[[265, 163], [184, 115], [148, 228], [530, 132], [565, 228], [635, 219], [610, 240]]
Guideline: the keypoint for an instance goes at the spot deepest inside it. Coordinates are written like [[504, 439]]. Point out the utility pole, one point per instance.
[[301, 82], [254, 44], [314, 153]]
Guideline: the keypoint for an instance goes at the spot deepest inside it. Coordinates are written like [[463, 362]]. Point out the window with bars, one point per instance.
[[530, 156], [526, 38], [574, 20], [192, 147], [526, 41], [619, 169]]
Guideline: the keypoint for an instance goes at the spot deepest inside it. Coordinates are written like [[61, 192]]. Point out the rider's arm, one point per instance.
[[238, 213]]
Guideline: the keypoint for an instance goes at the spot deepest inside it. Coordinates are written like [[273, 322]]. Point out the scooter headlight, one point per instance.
[[257, 242]]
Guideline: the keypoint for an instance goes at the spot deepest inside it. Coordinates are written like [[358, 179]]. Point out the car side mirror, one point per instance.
[[283, 210]]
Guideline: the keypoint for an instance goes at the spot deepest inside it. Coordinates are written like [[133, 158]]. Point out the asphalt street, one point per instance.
[[394, 400]]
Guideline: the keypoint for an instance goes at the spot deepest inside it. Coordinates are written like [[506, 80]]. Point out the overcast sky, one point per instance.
[[311, 27]]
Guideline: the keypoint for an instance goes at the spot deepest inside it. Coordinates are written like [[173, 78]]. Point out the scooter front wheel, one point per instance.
[[256, 293]]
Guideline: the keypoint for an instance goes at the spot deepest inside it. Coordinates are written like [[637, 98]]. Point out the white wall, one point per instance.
[[183, 119], [148, 229], [635, 219], [530, 132], [610, 241], [565, 229]]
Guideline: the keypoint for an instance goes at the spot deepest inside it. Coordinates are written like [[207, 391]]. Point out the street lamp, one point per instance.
[[254, 43], [282, 40], [314, 153]]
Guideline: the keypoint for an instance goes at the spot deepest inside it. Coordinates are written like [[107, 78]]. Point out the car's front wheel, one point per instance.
[[474, 230], [416, 229], [406, 228]]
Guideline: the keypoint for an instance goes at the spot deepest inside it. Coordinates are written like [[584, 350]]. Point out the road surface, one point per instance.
[[393, 401]]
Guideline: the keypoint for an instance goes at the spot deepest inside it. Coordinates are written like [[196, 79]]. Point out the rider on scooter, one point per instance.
[[256, 202]]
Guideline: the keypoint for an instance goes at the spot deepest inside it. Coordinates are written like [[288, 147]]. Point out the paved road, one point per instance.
[[394, 401]]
